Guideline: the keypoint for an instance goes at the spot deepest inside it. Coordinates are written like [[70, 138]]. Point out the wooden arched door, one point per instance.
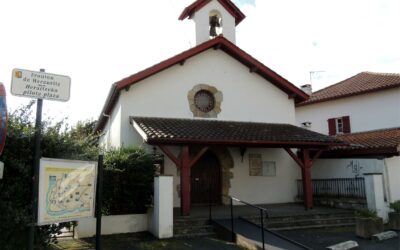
[[205, 180]]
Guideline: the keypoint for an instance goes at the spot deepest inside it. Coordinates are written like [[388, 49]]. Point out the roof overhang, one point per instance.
[[360, 84], [173, 131], [377, 144]]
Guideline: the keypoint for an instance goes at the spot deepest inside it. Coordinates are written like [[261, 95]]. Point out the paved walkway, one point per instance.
[[317, 239], [321, 238], [250, 231], [144, 241]]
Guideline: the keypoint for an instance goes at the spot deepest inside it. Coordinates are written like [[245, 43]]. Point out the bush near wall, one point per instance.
[[58, 141], [128, 181], [128, 174]]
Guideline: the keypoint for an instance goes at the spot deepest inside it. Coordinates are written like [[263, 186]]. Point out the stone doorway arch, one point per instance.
[[226, 164]]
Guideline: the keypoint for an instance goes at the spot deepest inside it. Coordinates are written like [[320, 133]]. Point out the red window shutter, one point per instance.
[[332, 126], [346, 124]]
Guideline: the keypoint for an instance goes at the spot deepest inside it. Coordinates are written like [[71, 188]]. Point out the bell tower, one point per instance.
[[213, 18]]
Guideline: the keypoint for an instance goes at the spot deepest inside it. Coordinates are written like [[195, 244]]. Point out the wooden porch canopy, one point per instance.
[[165, 132]]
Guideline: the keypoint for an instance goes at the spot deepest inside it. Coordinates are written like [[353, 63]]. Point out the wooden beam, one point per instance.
[[253, 69], [316, 156], [171, 156], [197, 157], [182, 62], [217, 46], [294, 157]]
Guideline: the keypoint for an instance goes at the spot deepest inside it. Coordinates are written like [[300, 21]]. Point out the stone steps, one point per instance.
[[187, 227], [305, 221], [190, 227]]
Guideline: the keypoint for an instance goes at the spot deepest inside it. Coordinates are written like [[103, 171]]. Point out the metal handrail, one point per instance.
[[251, 205], [261, 209]]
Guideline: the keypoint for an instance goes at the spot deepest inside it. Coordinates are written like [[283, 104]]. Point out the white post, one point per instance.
[[374, 193], [163, 207]]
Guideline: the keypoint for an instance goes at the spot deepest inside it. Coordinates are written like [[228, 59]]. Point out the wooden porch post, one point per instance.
[[185, 181], [306, 176], [305, 163], [184, 164]]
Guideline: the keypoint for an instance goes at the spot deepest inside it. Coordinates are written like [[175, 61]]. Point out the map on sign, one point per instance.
[[66, 190]]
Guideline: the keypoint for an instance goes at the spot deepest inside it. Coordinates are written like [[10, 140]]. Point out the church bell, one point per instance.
[[214, 23]]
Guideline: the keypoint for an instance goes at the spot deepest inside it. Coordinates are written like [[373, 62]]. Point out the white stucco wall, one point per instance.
[[345, 168], [246, 96], [201, 19], [393, 173], [112, 131], [367, 112], [171, 170], [265, 189], [112, 224]]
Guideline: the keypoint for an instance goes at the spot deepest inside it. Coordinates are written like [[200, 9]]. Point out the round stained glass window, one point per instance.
[[204, 101]]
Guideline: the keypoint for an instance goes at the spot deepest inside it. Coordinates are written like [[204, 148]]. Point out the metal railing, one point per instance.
[[335, 188], [262, 211]]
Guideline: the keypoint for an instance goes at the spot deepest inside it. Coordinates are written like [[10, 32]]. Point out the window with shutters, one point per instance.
[[339, 125]]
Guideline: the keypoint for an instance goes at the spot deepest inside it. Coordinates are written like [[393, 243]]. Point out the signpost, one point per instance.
[[38, 85]]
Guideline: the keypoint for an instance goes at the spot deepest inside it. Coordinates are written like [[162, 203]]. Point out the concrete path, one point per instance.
[[250, 231], [319, 239], [144, 241]]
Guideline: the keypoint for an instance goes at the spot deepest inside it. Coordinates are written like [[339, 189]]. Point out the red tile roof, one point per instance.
[[228, 5], [376, 142], [230, 133], [362, 83], [217, 43]]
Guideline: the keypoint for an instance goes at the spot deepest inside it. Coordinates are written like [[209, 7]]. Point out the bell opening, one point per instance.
[[215, 24]]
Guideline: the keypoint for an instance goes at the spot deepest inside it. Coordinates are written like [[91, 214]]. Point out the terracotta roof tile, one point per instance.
[[383, 141], [361, 83], [199, 131]]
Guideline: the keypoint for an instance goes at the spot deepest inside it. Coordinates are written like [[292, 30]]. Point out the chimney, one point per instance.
[[307, 89]]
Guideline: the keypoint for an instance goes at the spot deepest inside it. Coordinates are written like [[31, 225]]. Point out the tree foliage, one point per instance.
[[58, 141], [128, 174]]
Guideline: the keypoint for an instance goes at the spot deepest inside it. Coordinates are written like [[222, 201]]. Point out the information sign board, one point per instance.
[[66, 190]]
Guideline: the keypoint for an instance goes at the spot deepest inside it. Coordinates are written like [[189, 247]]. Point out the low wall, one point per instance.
[[112, 224]]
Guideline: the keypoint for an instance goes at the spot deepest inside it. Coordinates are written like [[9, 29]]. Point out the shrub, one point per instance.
[[58, 141], [128, 181], [366, 213], [395, 206]]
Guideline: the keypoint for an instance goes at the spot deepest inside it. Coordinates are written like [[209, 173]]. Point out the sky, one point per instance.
[[99, 42]]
